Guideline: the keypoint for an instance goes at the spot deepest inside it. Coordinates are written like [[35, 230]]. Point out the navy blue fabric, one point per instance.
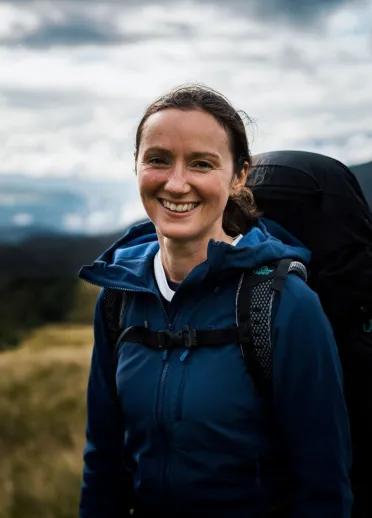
[[192, 429], [173, 285]]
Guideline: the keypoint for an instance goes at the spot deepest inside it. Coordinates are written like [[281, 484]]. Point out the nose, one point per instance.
[[177, 183]]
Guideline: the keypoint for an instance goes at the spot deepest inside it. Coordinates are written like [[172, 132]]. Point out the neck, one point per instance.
[[179, 258]]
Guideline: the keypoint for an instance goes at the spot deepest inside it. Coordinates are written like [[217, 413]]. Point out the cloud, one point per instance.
[[46, 24], [72, 110], [43, 98], [95, 221], [22, 219], [72, 32], [298, 12], [35, 25]]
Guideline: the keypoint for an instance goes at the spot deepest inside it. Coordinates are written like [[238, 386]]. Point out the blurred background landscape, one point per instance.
[[75, 78]]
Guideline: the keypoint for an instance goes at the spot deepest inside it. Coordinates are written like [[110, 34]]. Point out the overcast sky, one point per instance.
[[76, 76]]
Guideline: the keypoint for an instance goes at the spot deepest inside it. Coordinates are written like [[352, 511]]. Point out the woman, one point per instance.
[[189, 434]]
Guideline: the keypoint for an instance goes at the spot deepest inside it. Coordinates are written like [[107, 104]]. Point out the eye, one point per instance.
[[157, 161], [202, 164]]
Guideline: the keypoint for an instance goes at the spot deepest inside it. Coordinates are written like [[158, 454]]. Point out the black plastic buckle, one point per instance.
[[188, 337], [185, 338], [167, 339]]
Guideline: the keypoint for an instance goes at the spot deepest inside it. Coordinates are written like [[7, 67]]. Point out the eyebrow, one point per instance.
[[201, 154], [192, 156]]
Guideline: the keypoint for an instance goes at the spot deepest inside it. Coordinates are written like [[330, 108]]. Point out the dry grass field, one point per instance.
[[42, 422]]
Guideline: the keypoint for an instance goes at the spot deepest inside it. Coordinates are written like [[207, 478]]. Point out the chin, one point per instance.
[[177, 234]]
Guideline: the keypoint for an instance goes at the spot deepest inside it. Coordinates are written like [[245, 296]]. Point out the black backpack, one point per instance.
[[319, 201]]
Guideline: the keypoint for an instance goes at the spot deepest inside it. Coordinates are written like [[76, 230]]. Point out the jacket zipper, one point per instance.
[[159, 416], [161, 388], [181, 389]]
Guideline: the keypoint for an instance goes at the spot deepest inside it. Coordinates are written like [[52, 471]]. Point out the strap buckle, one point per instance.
[[167, 339], [185, 338]]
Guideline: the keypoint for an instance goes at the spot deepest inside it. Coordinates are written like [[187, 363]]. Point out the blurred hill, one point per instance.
[[51, 255], [39, 283]]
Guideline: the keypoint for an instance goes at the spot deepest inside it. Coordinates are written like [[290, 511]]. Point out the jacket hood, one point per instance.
[[128, 263]]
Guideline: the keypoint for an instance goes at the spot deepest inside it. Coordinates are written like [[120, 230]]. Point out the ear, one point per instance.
[[239, 179], [135, 162]]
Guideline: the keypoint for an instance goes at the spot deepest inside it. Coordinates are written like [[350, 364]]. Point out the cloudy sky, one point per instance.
[[76, 76]]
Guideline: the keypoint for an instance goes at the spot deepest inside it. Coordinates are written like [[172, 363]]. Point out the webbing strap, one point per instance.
[[186, 338]]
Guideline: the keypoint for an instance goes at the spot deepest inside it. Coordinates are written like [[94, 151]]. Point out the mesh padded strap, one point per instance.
[[255, 306], [254, 319], [261, 304]]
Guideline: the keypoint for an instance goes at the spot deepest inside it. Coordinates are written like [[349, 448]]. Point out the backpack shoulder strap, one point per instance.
[[254, 315], [113, 309], [114, 302]]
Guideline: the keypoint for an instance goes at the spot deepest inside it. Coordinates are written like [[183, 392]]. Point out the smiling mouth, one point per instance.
[[179, 207]]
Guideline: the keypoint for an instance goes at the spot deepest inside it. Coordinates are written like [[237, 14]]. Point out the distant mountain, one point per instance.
[[28, 209], [363, 172], [32, 206]]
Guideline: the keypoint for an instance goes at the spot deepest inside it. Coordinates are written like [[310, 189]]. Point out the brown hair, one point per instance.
[[240, 212]]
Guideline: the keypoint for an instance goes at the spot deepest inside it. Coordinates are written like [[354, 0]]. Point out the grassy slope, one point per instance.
[[42, 421]]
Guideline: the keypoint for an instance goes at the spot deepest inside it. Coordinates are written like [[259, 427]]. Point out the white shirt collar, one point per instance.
[[161, 278]]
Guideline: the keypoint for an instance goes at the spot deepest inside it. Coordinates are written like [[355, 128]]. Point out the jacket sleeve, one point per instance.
[[310, 406], [106, 485]]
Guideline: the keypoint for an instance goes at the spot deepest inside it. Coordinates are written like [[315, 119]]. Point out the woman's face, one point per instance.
[[185, 173]]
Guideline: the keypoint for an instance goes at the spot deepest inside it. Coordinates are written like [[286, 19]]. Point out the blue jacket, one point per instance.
[[192, 429]]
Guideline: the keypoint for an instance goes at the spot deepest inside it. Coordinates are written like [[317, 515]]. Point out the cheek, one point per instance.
[[220, 193], [148, 182]]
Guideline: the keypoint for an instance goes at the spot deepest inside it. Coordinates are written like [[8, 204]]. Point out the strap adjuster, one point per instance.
[[188, 337]]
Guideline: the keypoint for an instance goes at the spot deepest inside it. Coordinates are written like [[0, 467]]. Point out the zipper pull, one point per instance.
[[184, 355], [164, 356]]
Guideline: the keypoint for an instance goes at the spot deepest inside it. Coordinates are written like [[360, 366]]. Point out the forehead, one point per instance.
[[171, 127]]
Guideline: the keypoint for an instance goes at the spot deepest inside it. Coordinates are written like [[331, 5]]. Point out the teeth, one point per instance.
[[179, 207]]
